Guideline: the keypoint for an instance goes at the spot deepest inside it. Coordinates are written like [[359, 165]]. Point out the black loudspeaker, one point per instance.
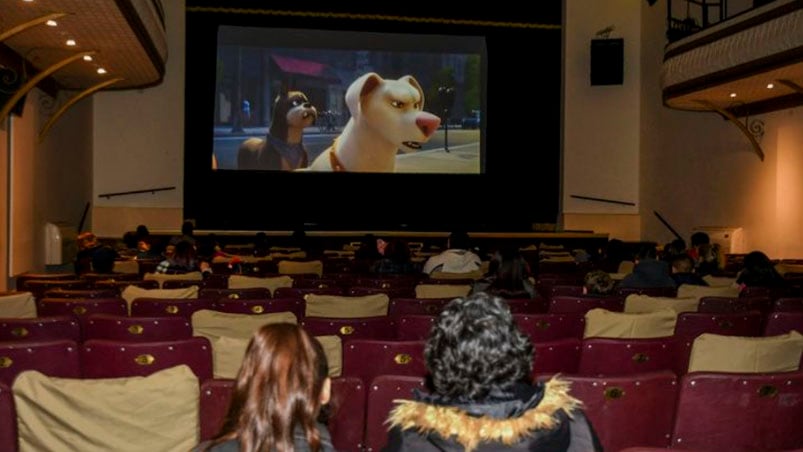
[[607, 61]]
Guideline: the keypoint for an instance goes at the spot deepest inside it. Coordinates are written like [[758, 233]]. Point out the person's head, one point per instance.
[[458, 240], [674, 248], [187, 228], [142, 231], [184, 254], [598, 282], [281, 385], [756, 260], [475, 349], [397, 251], [509, 268], [682, 263], [130, 240], [87, 240], [646, 252], [700, 238], [103, 260]]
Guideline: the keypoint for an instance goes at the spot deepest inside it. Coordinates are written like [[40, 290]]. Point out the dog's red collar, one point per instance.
[[337, 165]]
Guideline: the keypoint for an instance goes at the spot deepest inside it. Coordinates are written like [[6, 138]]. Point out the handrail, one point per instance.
[[134, 192]]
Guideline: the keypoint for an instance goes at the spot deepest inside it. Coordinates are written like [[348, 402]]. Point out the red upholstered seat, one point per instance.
[[159, 307], [81, 308], [583, 303], [39, 286], [564, 291], [739, 412], [395, 292], [550, 327], [121, 285], [783, 322], [182, 283], [425, 306], [347, 414], [560, 356], [692, 324], [368, 358], [788, 304], [718, 305], [237, 294], [382, 391], [527, 305], [414, 327], [8, 420], [299, 292], [57, 358], [213, 405], [355, 328], [114, 359], [137, 329], [260, 306], [629, 410], [603, 356], [84, 293], [40, 329]]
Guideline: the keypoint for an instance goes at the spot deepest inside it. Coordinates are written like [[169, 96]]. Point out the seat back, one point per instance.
[[299, 292], [560, 356], [651, 291], [251, 293], [57, 358], [526, 305], [8, 420], [40, 329], [583, 303], [114, 359], [214, 405], [788, 304], [137, 329], [85, 293], [693, 324], [260, 306], [718, 305], [603, 356], [81, 308], [160, 307], [347, 414], [421, 306], [38, 287], [383, 328], [739, 412], [382, 391], [368, 358], [395, 292], [633, 410], [550, 327], [783, 322], [414, 327]]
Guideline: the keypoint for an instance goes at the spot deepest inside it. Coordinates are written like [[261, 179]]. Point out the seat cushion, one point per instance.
[[214, 324], [131, 293], [155, 413], [716, 353], [442, 290], [162, 277], [693, 291], [251, 282], [635, 303], [20, 305]]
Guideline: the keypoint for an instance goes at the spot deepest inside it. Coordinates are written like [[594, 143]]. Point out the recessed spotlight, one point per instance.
[[101, 71], [770, 85], [733, 94], [51, 23], [87, 57], [71, 42], [28, 1]]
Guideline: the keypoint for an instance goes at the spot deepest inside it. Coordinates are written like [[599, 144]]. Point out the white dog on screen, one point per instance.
[[385, 115]]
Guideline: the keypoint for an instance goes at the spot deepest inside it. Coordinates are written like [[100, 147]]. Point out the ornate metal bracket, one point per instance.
[[29, 85], [87, 92], [735, 121]]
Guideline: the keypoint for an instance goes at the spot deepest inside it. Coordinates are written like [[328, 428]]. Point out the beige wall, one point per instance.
[[600, 123]]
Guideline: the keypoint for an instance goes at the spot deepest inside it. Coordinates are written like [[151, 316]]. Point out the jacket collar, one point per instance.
[[482, 423]]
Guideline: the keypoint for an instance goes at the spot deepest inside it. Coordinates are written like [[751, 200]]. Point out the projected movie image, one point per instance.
[[326, 101]]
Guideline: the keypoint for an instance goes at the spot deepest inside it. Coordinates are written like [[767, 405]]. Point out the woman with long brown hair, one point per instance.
[[278, 394]]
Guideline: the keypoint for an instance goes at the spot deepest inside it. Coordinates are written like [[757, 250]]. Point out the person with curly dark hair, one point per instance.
[[481, 397]]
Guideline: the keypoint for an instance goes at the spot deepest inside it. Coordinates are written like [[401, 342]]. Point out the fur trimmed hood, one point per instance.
[[469, 431]]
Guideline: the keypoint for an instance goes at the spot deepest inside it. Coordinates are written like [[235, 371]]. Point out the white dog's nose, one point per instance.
[[428, 123]]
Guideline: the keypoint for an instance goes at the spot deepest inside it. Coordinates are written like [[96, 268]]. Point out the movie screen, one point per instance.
[[316, 100]]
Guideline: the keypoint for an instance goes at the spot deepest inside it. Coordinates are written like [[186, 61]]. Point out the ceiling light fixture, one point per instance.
[[87, 57], [101, 71], [770, 85], [71, 42], [51, 23], [733, 94]]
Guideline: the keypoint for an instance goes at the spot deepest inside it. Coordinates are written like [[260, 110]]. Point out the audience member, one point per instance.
[[103, 259], [707, 262], [759, 271], [187, 234], [261, 245], [481, 395], [614, 253], [458, 258], [648, 271], [278, 394], [598, 282], [395, 259], [508, 275], [184, 259], [683, 271], [87, 245]]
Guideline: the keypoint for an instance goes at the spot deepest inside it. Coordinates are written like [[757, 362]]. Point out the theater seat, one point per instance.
[[8, 420], [739, 412], [137, 329], [347, 414], [603, 356], [550, 327], [382, 392], [113, 359], [629, 410], [40, 329], [367, 358], [53, 358], [353, 328]]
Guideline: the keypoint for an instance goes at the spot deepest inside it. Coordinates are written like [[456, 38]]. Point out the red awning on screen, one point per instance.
[[297, 66]]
